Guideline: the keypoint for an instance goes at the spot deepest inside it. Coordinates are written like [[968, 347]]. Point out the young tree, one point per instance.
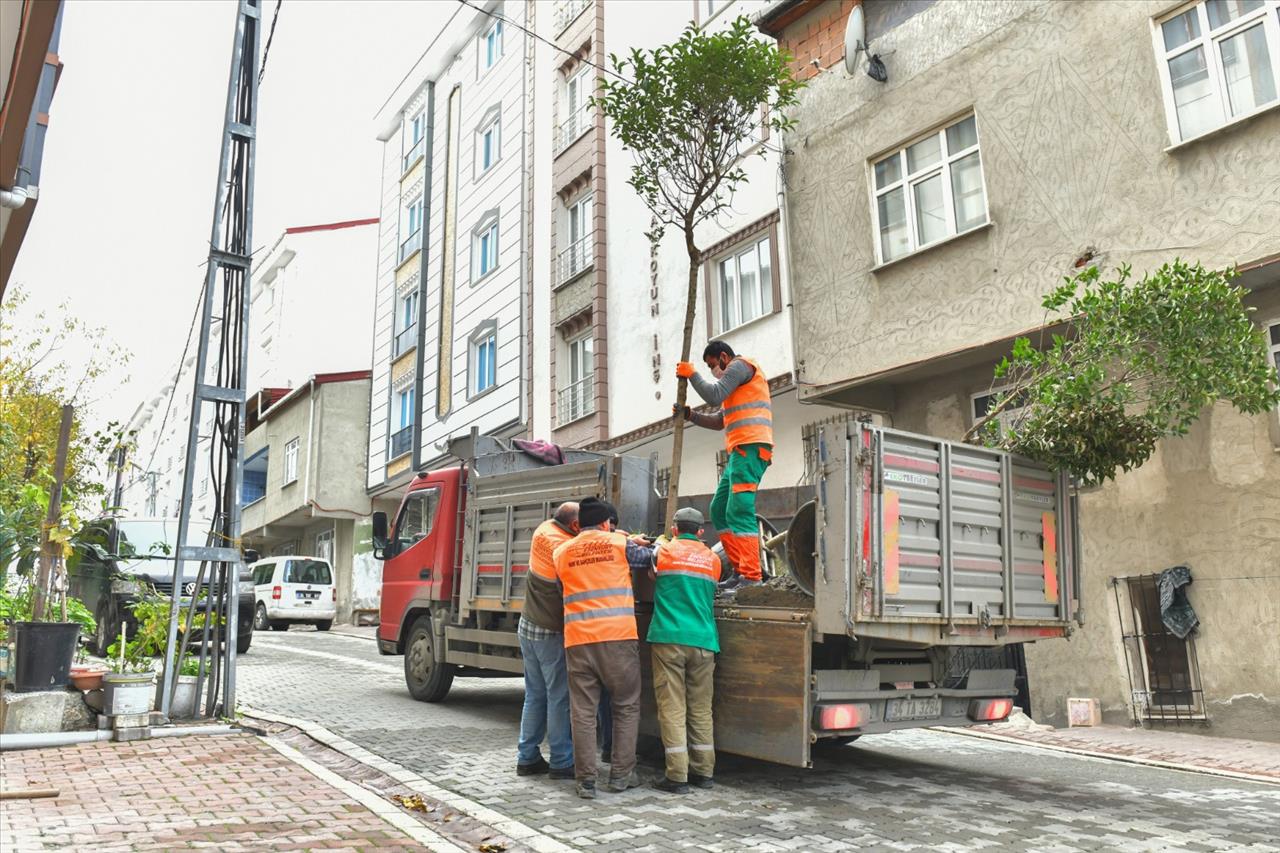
[[1138, 361], [687, 114]]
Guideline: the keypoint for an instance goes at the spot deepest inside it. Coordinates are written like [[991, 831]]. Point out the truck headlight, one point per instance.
[[246, 587]]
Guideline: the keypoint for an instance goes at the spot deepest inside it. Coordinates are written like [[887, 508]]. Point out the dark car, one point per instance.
[[109, 581]]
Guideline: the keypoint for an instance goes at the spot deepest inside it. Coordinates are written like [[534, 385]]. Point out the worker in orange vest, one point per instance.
[[742, 392], [541, 634], [601, 644]]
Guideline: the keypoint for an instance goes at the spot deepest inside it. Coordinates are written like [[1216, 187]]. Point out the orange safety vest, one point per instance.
[[748, 415], [599, 604], [687, 558], [546, 539]]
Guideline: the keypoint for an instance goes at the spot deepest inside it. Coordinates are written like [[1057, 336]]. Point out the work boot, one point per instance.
[[587, 790], [617, 786], [537, 768], [698, 781], [561, 772], [671, 786]]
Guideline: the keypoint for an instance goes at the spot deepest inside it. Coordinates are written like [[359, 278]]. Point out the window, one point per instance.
[[406, 324], [417, 516], [1273, 339], [929, 190], [491, 47], [744, 282], [484, 359], [711, 8], [411, 231], [291, 462], [262, 573], [1217, 63], [254, 485], [985, 400], [578, 254], [577, 397], [485, 251], [1164, 674], [577, 107], [488, 142], [567, 11], [405, 402], [402, 439], [307, 571], [415, 140]]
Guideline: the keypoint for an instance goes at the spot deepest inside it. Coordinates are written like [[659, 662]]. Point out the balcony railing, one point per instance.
[[401, 442], [406, 340], [567, 10], [576, 401], [411, 244], [577, 259], [574, 126], [411, 156]]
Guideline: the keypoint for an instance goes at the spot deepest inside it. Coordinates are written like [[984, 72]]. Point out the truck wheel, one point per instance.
[[242, 643], [427, 679], [107, 629]]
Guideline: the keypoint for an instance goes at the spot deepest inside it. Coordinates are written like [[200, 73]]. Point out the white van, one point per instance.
[[293, 589]]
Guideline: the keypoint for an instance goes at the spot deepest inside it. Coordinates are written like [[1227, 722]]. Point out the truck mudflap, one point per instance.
[[762, 692]]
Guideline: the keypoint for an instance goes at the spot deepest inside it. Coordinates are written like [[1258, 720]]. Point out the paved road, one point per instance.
[[919, 790]]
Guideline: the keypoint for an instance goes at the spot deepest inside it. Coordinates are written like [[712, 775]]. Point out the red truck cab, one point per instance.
[[421, 554]]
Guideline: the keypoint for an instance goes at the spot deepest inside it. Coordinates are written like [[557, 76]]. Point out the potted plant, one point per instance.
[[43, 651], [85, 675], [129, 683]]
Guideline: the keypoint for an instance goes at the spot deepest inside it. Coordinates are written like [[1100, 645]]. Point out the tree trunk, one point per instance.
[[682, 385], [44, 576]]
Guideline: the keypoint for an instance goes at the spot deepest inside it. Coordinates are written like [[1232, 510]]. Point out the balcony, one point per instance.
[[567, 11], [414, 154], [575, 260], [405, 341], [401, 442], [411, 244], [576, 401], [578, 123]]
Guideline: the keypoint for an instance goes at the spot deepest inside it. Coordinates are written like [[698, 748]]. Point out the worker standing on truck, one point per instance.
[[601, 644], [683, 642], [541, 634], [742, 392]]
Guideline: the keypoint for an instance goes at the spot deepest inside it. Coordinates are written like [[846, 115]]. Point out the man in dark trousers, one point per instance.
[[541, 634]]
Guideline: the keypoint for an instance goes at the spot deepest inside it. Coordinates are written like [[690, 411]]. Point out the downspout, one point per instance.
[[14, 198], [311, 422]]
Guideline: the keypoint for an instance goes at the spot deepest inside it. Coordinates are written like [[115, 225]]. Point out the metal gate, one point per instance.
[[1163, 670]]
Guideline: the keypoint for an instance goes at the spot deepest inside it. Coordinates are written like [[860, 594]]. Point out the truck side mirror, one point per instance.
[[379, 531]]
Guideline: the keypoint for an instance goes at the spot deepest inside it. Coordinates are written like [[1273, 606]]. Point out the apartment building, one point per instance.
[[617, 301], [1012, 143], [29, 72], [454, 265]]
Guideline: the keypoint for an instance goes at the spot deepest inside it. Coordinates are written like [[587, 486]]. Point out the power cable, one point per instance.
[[267, 50], [497, 16]]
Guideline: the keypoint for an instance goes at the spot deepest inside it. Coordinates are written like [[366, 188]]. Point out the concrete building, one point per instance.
[[29, 72], [303, 490], [450, 331], [617, 301], [1014, 142]]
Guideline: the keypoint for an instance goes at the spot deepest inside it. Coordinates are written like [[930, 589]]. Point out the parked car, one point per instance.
[[118, 557], [289, 590]]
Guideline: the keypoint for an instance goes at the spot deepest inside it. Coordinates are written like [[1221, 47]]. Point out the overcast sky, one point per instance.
[[130, 162]]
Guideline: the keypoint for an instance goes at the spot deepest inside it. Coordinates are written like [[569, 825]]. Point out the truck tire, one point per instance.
[[243, 642], [107, 629], [427, 679]]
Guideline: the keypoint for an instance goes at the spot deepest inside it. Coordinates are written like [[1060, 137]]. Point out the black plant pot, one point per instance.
[[43, 655]]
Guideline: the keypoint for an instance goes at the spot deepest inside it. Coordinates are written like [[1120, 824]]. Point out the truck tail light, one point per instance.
[[989, 710], [333, 593], [841, 717], [276, 593]]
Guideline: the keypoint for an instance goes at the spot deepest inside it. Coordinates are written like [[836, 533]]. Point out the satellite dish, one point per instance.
[[855, 38]]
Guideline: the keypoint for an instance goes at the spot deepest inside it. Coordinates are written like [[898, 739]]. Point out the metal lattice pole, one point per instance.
[[227, 277]]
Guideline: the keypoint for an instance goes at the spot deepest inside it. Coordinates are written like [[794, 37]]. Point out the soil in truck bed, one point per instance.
[[780, 591]]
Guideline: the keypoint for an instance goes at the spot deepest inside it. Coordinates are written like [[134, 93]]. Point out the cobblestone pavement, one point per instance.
[[225, 792], [905, 791]]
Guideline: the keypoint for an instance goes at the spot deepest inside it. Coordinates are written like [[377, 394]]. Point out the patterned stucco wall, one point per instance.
[[1073, 138]]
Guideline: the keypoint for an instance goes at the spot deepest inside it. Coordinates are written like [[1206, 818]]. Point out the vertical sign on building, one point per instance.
[[449, 260]]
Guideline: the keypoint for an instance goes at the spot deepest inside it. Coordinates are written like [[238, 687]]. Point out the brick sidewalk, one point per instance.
[[228, 792], [1255, 759]]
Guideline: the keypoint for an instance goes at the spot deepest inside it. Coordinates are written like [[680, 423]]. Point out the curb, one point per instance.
[[513, 829], [1111, 756]]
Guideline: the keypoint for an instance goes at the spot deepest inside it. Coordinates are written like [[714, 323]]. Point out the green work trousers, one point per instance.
[[682, 685], [733, 507]]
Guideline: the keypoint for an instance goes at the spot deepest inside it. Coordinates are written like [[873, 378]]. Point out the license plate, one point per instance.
[[307, 595], [926, 708]]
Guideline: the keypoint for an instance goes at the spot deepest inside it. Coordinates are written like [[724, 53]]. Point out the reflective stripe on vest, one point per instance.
[[546, 539], [748, 414], [687, 558], [599, 605]]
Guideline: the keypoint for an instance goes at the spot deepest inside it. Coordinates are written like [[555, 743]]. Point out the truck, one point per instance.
[[916, 557]]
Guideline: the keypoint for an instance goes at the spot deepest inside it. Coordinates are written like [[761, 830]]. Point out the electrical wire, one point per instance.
[[498, 16], [267, 50]]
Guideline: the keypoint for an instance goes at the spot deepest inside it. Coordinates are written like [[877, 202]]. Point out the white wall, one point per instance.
[[384, 302]]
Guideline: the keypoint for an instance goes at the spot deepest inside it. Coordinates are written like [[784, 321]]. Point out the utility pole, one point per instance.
[[117, 495], [220, 382], [45, 574]]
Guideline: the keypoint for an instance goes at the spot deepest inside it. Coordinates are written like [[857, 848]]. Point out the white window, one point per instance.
[[711, 8], [411, 229], [1218, 63], [576, 119], [578, 254], [414, 140], [488, 144], [577, 397], [402, 437], [491, 47], [405, 401], [1273, 338], [484, 360], [485, 254], [929, 190], [984, 401], [406, 323], [290, 462], [744, 284]]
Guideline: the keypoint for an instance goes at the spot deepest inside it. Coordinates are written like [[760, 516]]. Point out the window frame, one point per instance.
[[490, 122], [409, 145], [908, 180], [486, 334], [1271, 335], [763, 291], [1210, 41], [572, 91], [1012, 411], [488, 227], [487, 62], [436, 494], [290, 467], [762, 229]]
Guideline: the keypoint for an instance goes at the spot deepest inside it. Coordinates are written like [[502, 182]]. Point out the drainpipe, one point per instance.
[[311, 422], [14, 198]]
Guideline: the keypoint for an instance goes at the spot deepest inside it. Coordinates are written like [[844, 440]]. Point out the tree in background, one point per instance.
[[688, 113], [1137, 362]]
